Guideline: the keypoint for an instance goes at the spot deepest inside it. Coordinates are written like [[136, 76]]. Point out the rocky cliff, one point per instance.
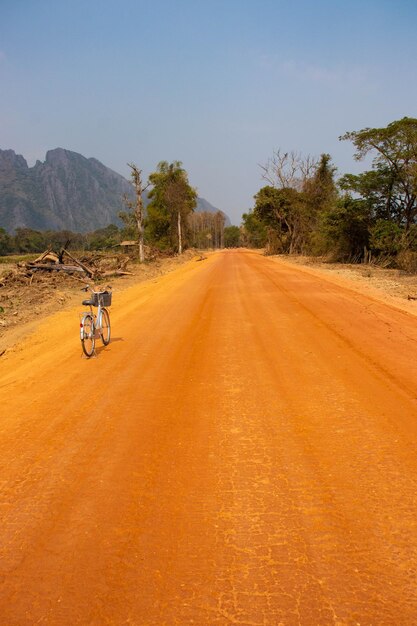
[[67, 191]]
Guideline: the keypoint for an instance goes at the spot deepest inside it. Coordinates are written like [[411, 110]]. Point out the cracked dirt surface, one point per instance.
[[244, 452]]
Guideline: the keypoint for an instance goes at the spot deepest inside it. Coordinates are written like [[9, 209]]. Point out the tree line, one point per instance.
[[305, 209], [169, 222]]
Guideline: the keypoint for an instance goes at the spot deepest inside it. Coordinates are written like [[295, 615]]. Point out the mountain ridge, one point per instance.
[[67, 191]]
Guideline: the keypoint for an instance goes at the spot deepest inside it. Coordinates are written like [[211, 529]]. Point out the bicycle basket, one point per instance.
[[104, 297]]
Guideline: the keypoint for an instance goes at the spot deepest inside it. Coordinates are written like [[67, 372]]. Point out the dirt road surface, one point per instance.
[[244, 452]]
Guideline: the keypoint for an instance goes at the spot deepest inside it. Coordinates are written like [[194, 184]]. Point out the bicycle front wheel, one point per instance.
[[105, 327], [87, 335]]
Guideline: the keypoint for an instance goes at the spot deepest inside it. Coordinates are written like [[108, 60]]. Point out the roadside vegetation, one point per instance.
[[306, 209], [167, 225]]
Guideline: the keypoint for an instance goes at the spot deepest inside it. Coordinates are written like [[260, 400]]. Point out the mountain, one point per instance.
[[67, 191]]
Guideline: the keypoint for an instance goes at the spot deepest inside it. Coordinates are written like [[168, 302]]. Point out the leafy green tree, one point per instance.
[[104, 238], [320, 189], [345, 229], [283, 211], [272, 212], [394, 182], [379, 187], [6, 243], [172, 199], [232, 237], [57, 239], [320, 196], [302, 190], [28, 240], [386, 237], [254, 232]]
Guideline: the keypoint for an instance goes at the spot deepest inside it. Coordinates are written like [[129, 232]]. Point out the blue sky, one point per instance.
[[215, 84]]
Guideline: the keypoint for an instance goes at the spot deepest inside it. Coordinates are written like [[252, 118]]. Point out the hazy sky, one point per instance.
[[215, 84]]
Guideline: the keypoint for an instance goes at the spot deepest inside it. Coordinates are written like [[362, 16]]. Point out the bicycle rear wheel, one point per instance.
[[87, 335], [105, 327]]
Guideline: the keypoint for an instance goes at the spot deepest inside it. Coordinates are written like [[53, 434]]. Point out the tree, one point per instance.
[[29, 240], [254, 231], [320, 196], [288, 169], [172, 201], [136, 215], [6, 244], [320, 188], [232, 237], [300, 189], [394, 164], [283, 211], [380, 189], [207, 229], [104, 238], [345, 229]]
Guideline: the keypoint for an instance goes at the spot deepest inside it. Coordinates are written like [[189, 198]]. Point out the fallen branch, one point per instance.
[[50, 267], [86, 269], [116, 273], [48, 255]]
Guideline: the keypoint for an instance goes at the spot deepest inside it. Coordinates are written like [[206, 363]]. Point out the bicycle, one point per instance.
[[94, 325]]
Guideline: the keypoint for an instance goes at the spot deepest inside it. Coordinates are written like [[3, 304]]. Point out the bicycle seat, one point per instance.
[[88, 302]]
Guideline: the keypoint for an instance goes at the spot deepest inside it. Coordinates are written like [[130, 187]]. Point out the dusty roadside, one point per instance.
[[391, 286], [23, 305]]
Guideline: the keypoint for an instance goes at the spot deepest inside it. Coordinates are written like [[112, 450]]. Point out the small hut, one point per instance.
[[128, 246]]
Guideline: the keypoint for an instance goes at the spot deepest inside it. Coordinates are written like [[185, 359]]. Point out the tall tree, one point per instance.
[[283, 211], [320, 188], [172, 200], [136, 215], [394, 165], [232, 237], [254, 230]]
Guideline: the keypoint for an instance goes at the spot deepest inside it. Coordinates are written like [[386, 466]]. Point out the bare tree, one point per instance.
[[207, 229], [288, 169], [136, 206]]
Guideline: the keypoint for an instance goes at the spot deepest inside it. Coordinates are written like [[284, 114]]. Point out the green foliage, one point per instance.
[[386, 237], [28, 240], [291, 215], [344, 229], [284, 213], [254, 231], [392, 186], [231, 237], [172, 199], [104, 238], [6, 244], [158, 226], [320, 189]]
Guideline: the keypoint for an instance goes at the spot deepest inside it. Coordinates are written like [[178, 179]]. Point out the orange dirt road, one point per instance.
[[243, 452]]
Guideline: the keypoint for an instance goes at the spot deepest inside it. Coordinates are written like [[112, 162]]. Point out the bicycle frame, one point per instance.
[[91, 322], [97, 318]]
